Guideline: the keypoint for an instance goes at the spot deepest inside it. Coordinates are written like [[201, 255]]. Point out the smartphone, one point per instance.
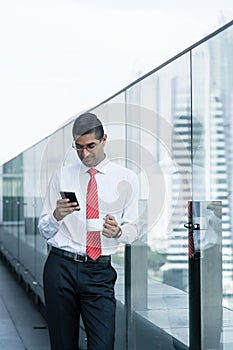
[[70, 195]]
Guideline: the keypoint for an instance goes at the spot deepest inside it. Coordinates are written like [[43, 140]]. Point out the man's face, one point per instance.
[[89, 149]]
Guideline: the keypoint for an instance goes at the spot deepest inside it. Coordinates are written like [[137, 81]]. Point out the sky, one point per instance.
[[61, 57]]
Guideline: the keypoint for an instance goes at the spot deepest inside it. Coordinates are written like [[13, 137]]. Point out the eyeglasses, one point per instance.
[[90, 147]]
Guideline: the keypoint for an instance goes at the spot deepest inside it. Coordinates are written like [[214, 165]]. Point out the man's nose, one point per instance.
[[85, 152]]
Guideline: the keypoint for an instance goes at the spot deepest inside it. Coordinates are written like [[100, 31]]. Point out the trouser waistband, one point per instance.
[[80, 258]]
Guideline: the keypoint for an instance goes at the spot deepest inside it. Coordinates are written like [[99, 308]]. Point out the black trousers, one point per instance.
[[72, 289]]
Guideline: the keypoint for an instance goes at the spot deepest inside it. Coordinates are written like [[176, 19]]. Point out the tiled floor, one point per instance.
[[21, 325]]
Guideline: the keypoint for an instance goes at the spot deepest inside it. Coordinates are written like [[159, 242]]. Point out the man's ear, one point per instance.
[[104, 138]]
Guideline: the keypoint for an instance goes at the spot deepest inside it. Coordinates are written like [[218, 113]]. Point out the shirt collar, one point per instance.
[[101, 167]]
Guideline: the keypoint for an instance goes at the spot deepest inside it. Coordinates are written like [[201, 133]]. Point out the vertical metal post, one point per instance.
[[205, 274], [136, 285], [128, 303], [211, 277], [194, 281]]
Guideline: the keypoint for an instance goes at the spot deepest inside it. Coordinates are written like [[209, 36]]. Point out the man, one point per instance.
[[78, 276]]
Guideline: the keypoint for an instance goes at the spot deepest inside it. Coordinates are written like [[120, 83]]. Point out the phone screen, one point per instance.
[[70, 195]]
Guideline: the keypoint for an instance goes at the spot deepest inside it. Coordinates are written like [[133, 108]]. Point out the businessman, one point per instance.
[[83, 234]]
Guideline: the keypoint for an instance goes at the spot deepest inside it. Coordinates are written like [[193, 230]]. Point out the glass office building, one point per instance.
[[174, 128]]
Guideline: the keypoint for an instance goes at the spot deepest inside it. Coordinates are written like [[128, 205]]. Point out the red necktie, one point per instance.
[[93, 248]]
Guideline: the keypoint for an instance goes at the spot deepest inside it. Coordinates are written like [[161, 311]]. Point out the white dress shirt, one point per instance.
[[118, 196]]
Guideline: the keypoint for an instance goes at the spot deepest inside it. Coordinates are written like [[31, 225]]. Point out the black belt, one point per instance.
[[79, 257]]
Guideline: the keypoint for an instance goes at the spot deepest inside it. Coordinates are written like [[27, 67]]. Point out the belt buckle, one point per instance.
[[77, 258]]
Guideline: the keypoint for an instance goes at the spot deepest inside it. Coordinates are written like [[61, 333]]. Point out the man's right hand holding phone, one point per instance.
[[64, 207]]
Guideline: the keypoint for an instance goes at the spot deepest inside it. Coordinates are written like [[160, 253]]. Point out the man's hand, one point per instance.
[[111, 228], [64, 207]]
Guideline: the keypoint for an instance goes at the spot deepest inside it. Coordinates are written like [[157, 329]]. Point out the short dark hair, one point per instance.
[[88, 123]]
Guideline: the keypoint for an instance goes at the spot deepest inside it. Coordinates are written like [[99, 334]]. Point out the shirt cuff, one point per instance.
[[55, 222]]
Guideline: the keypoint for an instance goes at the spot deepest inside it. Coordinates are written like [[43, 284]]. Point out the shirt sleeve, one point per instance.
[[129, 223], [48, 226]]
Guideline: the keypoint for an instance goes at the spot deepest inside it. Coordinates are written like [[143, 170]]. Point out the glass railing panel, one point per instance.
[[158, 150], [70, 155], [212, 174], [12, 205], [112, 115], [27, 234], [52, 158], [41, 248]]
